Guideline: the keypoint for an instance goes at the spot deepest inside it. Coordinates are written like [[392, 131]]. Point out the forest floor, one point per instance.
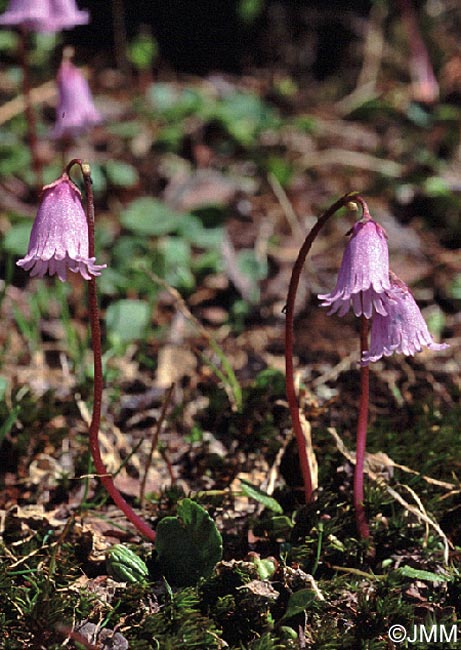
[[205, 189]]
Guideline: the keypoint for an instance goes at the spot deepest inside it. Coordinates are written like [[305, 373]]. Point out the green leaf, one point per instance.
[[270, 380], [420, 574], [16, 239], [254, 269], [3, 386], [174, 103], [177, 261], [281, 169], [125, 566], [8, 41], [142, 51], [188, 545], [121, 173], [127, 320], [147, 216], [298, 602], [244, 115], [249, 10], [194, 232], [436, 186], [15, 158], [258, 495], [265, 567]]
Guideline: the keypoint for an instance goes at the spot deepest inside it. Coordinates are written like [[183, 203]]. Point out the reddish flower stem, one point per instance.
[[104, 476], [29, 109], [289, 340], [425, 85], [360, 517]]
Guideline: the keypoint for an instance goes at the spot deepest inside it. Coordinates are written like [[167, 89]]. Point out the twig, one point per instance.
[[373, 49], [16, 106], [420, 514], [347, 158], [154, 442], [287, 208], [273, 472]]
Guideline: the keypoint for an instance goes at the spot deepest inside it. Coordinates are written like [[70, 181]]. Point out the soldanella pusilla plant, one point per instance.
[[376, 296], [62, 240]]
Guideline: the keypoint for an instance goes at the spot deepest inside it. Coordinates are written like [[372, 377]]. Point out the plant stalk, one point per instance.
[[104, 476], [360, 517], [289, 340], [425, 85]]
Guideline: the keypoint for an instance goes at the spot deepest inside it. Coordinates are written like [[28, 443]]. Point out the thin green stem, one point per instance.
[[289, 340], [104, 476]]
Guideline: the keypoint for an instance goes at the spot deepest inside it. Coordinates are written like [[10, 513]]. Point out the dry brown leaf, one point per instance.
[[174, 363]]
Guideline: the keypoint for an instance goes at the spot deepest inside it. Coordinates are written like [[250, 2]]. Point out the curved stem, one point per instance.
[[360, 517], [106, 479], [289, 340]]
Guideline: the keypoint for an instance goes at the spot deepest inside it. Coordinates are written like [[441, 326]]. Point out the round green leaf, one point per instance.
[[188, 545], [147, 216], [121, 173], [127, 320], [298, 602], [16, 239]]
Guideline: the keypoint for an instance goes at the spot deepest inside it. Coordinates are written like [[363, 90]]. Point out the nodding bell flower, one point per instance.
[[402, 330], [66, 15], [76, 111], [364, 274], [44, 15], [59, 237]]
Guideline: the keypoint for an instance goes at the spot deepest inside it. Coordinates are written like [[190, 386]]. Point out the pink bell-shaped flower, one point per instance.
[[66, 15], [76, 111], [31, 14], [364, 274], [44, 15], [59, 237], [402, 330]]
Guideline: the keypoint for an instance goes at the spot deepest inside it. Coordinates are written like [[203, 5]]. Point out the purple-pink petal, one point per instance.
[[364, 273], [66, 15], [76, 111], [59, 237], [44, 15], [402, 330]]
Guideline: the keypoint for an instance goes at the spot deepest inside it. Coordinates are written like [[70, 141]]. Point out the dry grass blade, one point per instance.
[[419, 512]]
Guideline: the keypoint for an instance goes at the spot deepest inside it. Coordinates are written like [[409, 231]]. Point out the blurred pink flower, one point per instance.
[[66, 15], [44, 15], [59, 237], [364, 274], [402, 330], [31, 14], [76, 111]]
